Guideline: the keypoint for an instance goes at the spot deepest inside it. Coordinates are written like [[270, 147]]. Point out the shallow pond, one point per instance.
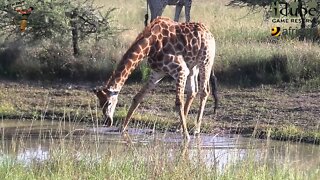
[[29, 141]]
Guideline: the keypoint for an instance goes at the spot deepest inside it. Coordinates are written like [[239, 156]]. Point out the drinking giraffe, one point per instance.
[[182, 50]]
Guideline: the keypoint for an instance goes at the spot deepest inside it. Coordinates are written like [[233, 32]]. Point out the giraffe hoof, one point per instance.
[[196, 132], [176, 108], [108, 122], [123, 130], [179, 129], [186, 137]]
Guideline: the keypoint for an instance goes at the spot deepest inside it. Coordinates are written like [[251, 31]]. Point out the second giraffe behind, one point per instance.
[[181, 50]]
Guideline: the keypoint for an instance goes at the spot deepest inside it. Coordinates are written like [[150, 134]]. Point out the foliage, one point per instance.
[[246, 52], [44, 50], [295, 133], [51, 20], [53, 62], [251, 3], [6, 108]]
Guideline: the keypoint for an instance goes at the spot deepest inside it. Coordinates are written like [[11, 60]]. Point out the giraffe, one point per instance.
[[182, 50], [157, 7]]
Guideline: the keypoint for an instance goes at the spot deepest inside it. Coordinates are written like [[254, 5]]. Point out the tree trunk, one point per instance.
[[74, 31], [314, 25], [303, 21]]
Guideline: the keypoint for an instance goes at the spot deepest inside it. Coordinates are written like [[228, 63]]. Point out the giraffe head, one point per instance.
[[108, 101]]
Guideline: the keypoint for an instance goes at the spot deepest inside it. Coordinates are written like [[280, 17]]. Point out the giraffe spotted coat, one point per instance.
[[181, 50]]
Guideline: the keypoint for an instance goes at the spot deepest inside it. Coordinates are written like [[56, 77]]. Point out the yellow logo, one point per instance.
[[275, 31]]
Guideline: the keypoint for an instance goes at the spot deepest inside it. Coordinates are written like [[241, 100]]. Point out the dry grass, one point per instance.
[[246, 52], [243, 38]]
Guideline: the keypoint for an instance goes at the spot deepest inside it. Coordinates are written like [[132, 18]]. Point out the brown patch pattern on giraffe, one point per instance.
[[172, 48]]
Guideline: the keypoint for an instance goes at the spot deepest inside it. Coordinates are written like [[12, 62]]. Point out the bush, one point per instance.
[[50, 46], [53, 63]]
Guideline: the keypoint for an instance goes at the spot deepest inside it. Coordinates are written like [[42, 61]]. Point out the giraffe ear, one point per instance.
[[147, 31], [94, 90], [99, 90]]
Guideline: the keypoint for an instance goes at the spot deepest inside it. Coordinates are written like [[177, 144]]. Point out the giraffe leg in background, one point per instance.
[[181, 78], [155, 77], [178, 11], [191, 88], [187, 9], [161, 9], [156, 8], [205, 71]]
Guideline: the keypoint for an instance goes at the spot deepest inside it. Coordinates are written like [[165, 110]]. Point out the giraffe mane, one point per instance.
[[147, 30]]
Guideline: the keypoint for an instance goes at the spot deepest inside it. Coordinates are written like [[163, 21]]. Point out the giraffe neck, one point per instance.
[[135, 54]]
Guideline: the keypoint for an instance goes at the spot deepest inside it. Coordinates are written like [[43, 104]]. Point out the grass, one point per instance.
[[90, 157], [295, 133], [259, 111], [247, 55], [248, 59], [130, 168], [74, 155], [6, 107]]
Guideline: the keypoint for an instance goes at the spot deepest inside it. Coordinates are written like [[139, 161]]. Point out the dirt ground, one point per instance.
[[240, 108]]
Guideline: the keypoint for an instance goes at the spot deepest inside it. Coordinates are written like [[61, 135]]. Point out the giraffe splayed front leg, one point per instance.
[[154, 78]]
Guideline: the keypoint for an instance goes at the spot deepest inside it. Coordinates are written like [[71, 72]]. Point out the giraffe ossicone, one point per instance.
[[184, 51]]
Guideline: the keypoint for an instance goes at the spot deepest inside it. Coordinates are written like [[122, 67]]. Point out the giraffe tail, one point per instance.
[[213, 83], [146, 16]]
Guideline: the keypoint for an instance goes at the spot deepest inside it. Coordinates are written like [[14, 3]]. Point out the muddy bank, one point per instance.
[[264, 111]]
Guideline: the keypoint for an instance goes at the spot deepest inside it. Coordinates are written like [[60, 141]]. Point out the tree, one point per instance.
[[61, 20]]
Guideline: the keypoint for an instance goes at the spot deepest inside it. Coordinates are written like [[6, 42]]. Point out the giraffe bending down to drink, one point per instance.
[[157, 7], [181, 50]]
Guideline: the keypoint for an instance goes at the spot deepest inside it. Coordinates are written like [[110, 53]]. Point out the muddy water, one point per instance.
[[29, 141]]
